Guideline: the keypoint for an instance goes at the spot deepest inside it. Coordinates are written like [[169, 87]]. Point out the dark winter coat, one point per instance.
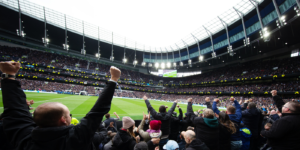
[[251, 119], [23, 133], [284, 133], [196, 144], [164, 117], [207, 130], [123, 140]]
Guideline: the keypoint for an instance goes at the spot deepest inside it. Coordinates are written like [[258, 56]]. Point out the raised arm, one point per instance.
[[150, 108], [89, 124], [214, 107], [238, 109], [180, 113], [118, 118], [207, 103], [190, 113], [172, 108], [17, 120], [278, 100]]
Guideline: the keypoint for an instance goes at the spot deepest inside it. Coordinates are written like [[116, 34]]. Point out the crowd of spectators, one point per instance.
[[246, 70], [249, 123]]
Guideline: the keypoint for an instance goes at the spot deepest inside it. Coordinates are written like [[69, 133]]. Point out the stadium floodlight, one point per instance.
[[264, 34], [66, 46], [162, 65], [83, 51], [181, 64], [22, 33], [230, 51], [143, 64], [156, 65], [124, 60], [111, 58], [174, 64], [201, 58], [247, 41], [189, 61], [97, 55], [149, 64], [135, 62], [297, 10], [168, 65], [282, 18], [213, 55], [46, 41]]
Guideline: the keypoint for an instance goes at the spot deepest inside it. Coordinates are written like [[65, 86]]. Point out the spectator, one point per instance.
[[192, 143], [175, 125], [152, 132], [164, 117], [141, 146], [171, 145], [206, 126], [235, 116], [251, 118], [109, 120], [53, 119], [273, 115], [108, 146], [284, 133], [125, 139]]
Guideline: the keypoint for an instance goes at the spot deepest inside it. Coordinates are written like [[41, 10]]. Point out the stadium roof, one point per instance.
[[77, 25]]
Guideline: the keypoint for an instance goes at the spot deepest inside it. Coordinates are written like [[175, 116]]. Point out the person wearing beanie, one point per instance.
[[152, 132], [164, 117], [125, 138]]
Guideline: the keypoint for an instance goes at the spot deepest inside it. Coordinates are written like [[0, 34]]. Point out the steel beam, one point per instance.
[[20, 19], [179, 51], [45, 25], [98, 42], [197, 41], [226, 28], [258, 13], [211, 39], [243, 22], [173, 53], [298, 3], [187, 48], [66, 34], [278, 12]]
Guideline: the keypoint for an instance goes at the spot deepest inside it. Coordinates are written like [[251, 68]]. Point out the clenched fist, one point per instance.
[[189, 99], [9, 67], [231, 99], [145, 97], [274, 92], [115, 73], [216, 100]]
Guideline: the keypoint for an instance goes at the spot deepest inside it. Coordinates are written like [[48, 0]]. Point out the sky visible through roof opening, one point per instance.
[[155, 23]]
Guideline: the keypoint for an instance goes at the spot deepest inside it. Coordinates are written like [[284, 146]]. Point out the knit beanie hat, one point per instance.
[[155, 124], [127, 122]]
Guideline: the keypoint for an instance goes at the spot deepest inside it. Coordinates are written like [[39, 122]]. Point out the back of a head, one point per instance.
[[141, 146], [190, 134], [48, 114], [294, 107], [162, 109], [251, 105], [107, 115], [208, 113], [231, 109]]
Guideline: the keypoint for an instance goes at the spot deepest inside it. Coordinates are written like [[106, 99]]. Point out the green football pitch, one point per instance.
[[80, 105]]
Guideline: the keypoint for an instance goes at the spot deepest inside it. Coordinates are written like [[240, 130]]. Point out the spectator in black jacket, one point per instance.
[[206, 126], [192, 143], [284, 133], [164, 117], [50, 128], [251, 119], [175, 124]]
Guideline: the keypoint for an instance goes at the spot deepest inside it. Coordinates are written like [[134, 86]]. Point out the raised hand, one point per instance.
[[216, 100], [241, 101], [137, 138], [145, 97], [231, 99], [178, 106], [274, 92], [111, 124], [115, 73], [189, 99], [10, 67], [216, 115], [176, 101]]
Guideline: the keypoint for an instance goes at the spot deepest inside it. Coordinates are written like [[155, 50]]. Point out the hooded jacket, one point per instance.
[[284, 133], [207, 130], [23, 133], [196, 144], [251, 119], [164, 117]]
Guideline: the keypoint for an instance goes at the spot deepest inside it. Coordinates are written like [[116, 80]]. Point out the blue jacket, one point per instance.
[[275, 117], [245, 137], [235, 118]]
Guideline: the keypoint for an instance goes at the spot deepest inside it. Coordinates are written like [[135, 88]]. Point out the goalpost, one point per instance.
[[82, 93]]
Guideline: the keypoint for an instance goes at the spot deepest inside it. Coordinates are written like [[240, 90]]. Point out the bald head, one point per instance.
[[50, 114], [189, 136]]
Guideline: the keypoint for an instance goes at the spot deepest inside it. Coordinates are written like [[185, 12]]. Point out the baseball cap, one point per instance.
[[171, 145]]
